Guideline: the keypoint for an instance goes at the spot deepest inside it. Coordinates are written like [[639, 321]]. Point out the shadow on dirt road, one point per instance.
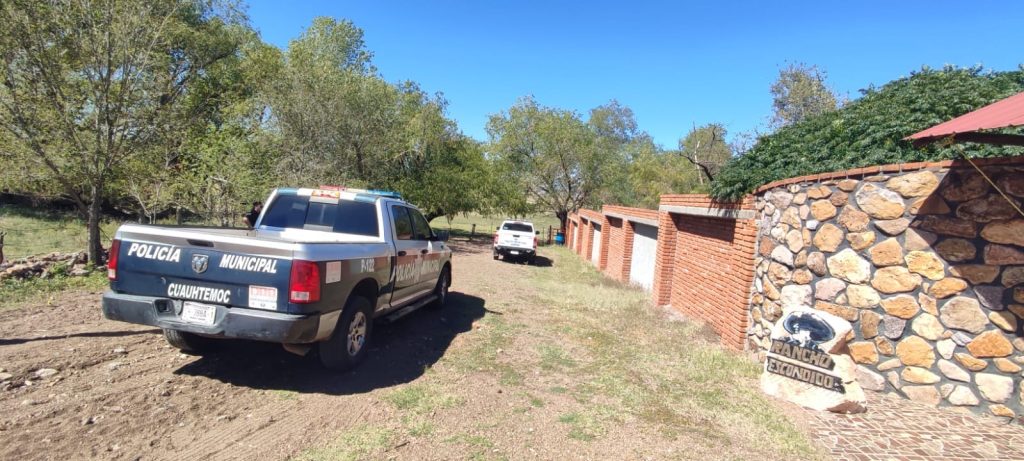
[[400, 352]]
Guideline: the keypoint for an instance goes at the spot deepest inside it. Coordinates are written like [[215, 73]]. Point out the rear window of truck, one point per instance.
[[345, 216], [517, 227]]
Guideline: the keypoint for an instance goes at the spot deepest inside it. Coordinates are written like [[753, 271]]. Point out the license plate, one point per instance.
[[198, 313], [513, 252]]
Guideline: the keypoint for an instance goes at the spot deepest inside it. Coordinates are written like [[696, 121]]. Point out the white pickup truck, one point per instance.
[[516, 240], [318, 268]]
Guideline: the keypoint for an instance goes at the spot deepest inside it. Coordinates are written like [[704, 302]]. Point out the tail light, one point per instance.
[[534, 242], [495, 238], [304, 284], [115, 248]]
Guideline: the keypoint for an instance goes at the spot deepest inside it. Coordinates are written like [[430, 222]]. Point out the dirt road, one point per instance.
[[490, 377]]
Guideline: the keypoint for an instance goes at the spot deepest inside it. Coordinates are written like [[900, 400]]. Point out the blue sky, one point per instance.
[[675, 64]]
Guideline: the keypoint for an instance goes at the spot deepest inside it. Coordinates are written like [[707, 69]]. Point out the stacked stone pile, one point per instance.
[[44, 266], [928, 266]]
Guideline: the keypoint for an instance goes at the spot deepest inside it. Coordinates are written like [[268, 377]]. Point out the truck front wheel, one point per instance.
[[189, 342], [348, 344]]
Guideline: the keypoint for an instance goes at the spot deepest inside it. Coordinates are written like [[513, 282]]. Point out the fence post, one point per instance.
[[549, 235], [472, 233], [2, 235]]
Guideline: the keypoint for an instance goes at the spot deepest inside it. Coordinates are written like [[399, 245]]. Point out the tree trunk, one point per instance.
[[95, 246], [563, 216]]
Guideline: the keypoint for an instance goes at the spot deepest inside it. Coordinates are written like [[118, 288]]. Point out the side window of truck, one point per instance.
[[420, 226], [403, 225]]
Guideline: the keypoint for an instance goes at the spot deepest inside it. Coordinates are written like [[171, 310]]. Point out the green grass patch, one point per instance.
[[32, 231], [15, 293], [553, 357], [480, 448], [587, 425], [363, 442], [421, 399], [418, 426], [483, 356]]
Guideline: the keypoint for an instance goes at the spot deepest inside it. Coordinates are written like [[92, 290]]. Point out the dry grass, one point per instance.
[[568, 364], [635, 361]]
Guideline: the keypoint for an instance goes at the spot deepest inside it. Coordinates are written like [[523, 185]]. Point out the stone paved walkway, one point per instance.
[[898, 429]]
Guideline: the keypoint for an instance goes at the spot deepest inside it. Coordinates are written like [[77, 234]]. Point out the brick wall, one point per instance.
[[704, 264], [712, 273], [619, 244]]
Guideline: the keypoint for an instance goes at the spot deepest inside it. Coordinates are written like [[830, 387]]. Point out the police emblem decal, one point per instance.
[[200, 263]]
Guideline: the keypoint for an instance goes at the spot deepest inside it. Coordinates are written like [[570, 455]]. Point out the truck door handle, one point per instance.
[[401, 253], [424, 251]]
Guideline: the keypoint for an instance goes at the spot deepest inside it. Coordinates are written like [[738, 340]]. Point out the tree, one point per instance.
[[800, 92], [88, 86], [549, 153], [434, 165], [705, 148], [335, 116], [870, 130]]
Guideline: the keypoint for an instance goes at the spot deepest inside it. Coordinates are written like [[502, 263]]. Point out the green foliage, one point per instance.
[[653, 171], [870, 130], [92, 89], [211, 118], [554, 161], [340, 123]]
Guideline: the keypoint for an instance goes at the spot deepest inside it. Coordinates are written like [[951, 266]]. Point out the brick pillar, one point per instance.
[[745, 243], [589, 247], [628, 231], [661, 292], [568, 234], [606, 230], [584, 238]]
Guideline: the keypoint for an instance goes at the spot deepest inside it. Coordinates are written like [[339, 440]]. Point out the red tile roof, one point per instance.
[[1000, 114]]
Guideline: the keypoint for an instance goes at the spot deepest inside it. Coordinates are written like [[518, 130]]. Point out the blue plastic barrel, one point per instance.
[[559, 238]]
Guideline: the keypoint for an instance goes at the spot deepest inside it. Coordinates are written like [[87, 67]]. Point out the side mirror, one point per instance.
[[442, 236]]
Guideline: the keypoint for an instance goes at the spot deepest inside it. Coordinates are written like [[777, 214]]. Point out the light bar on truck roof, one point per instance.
[[378, 192]]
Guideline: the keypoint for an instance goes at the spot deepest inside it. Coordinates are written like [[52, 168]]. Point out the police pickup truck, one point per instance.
[[317, 269]]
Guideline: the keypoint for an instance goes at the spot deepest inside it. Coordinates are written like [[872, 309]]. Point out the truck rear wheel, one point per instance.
[[441, 289], [189, 342], [348, 344]]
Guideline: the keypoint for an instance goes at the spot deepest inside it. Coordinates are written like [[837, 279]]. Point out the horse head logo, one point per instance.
[[200, 263]]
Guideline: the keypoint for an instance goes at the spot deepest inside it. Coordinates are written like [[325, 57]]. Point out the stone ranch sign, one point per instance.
[[807, 364]]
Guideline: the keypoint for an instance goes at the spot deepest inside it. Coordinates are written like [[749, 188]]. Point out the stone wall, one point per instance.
[[927, 262]]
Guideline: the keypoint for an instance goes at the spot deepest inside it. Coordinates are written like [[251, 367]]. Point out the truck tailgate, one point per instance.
[[217, 266], [515, 239]]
